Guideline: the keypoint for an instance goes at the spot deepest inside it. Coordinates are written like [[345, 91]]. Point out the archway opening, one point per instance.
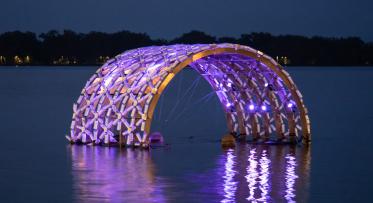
[[189, 111], [257, 104]]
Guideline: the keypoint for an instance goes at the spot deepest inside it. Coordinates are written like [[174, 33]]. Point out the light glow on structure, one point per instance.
[[118, 101], [264, 107], [251, 107]]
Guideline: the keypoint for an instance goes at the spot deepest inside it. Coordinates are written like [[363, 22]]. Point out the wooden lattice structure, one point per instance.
[[260, 99]]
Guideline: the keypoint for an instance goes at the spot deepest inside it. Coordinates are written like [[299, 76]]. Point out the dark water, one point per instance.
[[37, 164]]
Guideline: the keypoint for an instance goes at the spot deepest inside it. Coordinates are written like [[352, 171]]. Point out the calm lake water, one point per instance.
[[37, 164]]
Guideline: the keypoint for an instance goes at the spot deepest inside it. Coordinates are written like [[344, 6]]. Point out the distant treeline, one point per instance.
[[71, 48]]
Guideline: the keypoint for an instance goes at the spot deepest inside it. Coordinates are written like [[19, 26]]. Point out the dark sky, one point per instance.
[[169, 18]]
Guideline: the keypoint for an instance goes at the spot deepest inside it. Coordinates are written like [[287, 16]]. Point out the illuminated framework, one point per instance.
[[260, 100]]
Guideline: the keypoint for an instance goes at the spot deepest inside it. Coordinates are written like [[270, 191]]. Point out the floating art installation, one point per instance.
[[259, 98]]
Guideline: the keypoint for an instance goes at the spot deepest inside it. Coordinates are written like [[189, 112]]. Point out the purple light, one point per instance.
[[290, 105], [251, 107], [228, 104], [264, 107], [266, 85]]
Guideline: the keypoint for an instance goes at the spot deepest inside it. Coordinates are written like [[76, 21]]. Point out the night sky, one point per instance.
[[170, 18]]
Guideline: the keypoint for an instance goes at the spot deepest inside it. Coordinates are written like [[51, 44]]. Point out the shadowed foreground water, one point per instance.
[[38, 165]]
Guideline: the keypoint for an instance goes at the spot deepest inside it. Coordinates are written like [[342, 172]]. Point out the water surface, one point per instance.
[[37, 164]]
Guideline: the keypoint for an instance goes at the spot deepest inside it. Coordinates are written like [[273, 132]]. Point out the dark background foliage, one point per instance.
[[85, 49]]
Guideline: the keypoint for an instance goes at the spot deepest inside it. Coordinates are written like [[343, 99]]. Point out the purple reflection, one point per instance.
[[229, 184], [290, 178], [252, 175], [262, 174], [257, 177], [103, 174], [264, 187]]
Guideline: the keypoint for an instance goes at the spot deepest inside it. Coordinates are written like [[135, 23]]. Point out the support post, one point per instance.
[[120, 138]]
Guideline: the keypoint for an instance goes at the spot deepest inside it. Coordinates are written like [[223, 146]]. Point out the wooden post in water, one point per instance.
[[120, 138]]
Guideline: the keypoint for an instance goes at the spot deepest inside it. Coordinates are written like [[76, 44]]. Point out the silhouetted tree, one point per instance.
[[194, 37], [19, 44], [228, 40]]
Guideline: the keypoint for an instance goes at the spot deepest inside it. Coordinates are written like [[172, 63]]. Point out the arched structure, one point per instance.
[[258, 96]]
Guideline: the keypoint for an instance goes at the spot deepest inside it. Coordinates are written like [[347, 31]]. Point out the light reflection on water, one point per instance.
[[290, 178], [258, 174], [271, 174], [229, 184], [248, 173], [103, 174]]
